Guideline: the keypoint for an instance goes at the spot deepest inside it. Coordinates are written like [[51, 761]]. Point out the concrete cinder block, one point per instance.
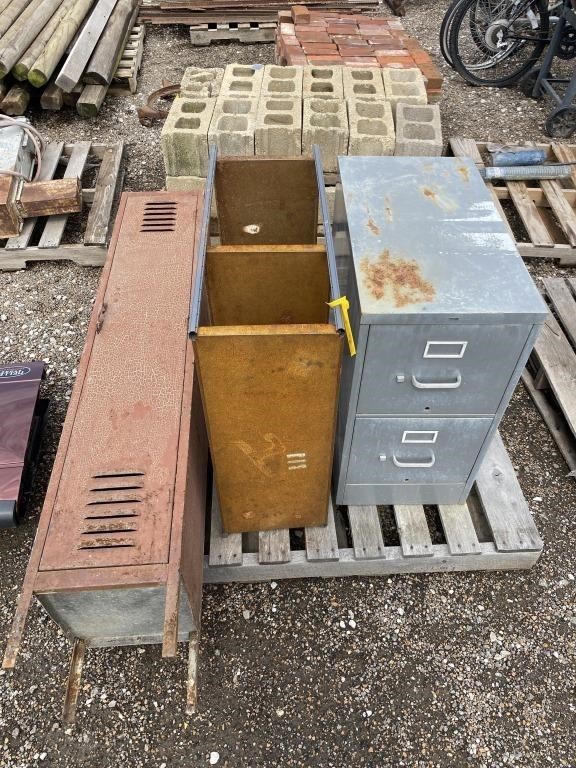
[[197, 81], [190, 184], [242, 81], [184, 136], [325, 123], [233, 124], [282, 81], [322, 82], [405, 85], [371, 127], [278, 127], [418, 130], [364, 82]]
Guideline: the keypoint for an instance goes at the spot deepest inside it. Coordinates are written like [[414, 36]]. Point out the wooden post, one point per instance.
[[16, 101], [86, 41], [102, 65], [50, 197], [48, 60], [24, 31], [90, 101], [22, 67], [52, 98], [11, 13]]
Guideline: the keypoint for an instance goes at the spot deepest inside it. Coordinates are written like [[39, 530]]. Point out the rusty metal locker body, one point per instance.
[[118, 554], [267, 345]]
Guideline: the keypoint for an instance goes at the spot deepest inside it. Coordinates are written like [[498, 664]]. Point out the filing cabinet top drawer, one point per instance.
[[426, 238], [438, 369]]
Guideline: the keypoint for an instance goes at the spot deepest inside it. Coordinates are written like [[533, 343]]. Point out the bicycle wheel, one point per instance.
[[496, 42], [445, 28]]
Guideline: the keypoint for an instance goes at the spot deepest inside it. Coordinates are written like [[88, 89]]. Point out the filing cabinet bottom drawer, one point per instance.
[[442, 493], [404, 451]]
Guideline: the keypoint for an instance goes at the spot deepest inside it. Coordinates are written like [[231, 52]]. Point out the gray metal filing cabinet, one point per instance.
[[444, 315]]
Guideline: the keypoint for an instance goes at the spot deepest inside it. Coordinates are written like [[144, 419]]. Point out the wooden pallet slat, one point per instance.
[[50, 160], [106, 189], [558, 360], [274, 546], [225, 548], [562, 299], [506, 510], [321, 540], [55, 225], [413, 531], [561, 207], [366, 532], [528, 212], [459, 530]]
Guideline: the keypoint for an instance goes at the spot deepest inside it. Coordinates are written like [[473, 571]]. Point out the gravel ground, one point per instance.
[[440, 670]]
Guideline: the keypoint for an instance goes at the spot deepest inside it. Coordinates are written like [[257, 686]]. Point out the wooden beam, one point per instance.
[[107, 54], [74, 66], [50, 197]]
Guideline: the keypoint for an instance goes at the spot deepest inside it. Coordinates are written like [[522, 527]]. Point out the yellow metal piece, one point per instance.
[[344, 304]]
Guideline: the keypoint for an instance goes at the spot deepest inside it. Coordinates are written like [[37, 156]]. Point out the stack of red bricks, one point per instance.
[[329, 38]]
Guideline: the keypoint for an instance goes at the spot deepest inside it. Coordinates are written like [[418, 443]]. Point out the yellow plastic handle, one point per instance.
[[344, 304]]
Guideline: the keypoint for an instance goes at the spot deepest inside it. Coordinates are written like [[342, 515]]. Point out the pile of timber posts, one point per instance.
[[69, 48]]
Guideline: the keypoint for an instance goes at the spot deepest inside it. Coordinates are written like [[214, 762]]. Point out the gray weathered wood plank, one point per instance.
[[528, 212], [562, 209], [506, 509], [83, 255], [366, 532], [442, 561], [321, 540], [84, 45], [225, 548], [98, 224], [555, 354], [274, 546], [50, 160], [459, 529], [554, 421], [413, 530], [54, 228], [563, 301]]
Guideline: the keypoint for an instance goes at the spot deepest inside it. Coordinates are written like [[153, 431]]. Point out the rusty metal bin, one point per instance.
[[267, 345]]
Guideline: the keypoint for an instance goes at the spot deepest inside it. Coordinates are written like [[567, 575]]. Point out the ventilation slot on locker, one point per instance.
[[159, 217]]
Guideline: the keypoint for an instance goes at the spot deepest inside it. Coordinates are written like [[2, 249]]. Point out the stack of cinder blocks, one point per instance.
[[284, 111]]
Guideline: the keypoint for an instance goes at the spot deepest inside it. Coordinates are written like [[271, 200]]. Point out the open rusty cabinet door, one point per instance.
[[267, 345], [118, 554]]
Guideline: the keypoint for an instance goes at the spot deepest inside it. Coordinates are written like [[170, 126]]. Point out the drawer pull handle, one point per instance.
[[437, 384], [414, 464]]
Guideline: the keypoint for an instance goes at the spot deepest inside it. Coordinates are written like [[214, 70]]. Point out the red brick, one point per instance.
[[398, 64], [391, 52], [360, 61], [433, 76], [314, 37], [355, 51], [382, 39], [319, 48], [350, 41], [284, 16], [325, 59], [300, 14], [341, 29], [421, 57]]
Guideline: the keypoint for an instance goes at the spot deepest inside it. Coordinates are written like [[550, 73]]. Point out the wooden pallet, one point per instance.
[[126, 78], [545, 208], [242, 31], [494, 530], [41, 239], [551, 373]]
